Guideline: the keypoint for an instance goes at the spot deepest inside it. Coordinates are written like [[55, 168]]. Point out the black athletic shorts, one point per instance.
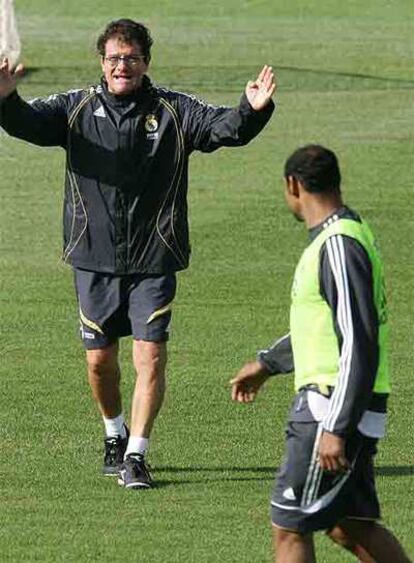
[[305, 498], [114, 306]]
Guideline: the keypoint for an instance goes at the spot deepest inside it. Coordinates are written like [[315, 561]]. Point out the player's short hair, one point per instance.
[[316, 167], [128, 31]]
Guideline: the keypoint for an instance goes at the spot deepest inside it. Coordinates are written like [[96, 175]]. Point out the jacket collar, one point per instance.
[[130, 100], [343, 212]]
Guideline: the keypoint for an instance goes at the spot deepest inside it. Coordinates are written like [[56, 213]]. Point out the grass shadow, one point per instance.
[[223, 78], [214, 469], [395, 470], [266, 473]]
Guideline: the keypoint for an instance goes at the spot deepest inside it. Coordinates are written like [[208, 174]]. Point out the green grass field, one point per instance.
[[345, 73]]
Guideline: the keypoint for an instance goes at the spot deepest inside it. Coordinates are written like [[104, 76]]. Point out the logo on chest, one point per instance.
[[151, 126]]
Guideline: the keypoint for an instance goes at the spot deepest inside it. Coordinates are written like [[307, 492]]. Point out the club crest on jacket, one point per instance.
[[151, 123]]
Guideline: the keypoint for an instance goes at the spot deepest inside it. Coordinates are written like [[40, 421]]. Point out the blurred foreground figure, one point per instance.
[[9, 37]]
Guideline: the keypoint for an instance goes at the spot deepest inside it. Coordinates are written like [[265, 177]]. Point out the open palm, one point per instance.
[[9, 78], [260, 91]]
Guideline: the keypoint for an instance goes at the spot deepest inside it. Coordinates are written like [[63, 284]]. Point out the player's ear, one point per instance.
[[292, 186]]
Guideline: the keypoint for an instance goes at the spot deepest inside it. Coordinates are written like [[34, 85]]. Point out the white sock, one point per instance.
[[137, 445], [115, 426]]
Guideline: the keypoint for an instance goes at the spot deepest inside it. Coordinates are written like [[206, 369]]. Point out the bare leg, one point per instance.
[[291, 547], [379, 542], [340, 536], [104, 377], [150, 359]]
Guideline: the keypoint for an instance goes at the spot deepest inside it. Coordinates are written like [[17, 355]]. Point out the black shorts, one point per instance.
[[305, 498], [114, 306]]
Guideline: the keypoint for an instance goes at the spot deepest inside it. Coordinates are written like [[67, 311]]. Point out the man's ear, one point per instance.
[[292, 186]]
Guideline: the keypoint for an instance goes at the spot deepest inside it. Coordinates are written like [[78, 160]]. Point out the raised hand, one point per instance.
[[9, 77], [261, 90]]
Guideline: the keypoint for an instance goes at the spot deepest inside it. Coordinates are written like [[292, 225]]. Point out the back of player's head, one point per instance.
[[128, 31], [317, 169]]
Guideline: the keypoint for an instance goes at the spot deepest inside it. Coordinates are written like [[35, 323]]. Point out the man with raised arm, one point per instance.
[[125, 224]]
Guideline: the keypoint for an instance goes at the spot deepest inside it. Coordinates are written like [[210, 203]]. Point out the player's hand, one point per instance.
[[9, 77], [332, 453], [261, 90], [246, 384]]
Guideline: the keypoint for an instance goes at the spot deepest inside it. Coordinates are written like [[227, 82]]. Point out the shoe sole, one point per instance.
[[134, 485], [111, 472]]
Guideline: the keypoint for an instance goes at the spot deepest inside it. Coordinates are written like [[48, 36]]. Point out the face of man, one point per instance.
[[123, 66]]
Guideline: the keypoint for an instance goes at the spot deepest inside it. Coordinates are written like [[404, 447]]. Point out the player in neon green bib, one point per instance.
[[337, 347]]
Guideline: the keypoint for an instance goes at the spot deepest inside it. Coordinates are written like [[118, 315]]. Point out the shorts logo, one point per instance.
[[289, 494], [151, 126], [100, 112], [299, 405], [87, 335]]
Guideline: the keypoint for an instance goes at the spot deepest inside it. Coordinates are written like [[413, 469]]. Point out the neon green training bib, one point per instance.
[[315, 344]]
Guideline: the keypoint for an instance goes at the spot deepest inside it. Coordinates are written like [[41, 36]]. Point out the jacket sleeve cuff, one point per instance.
[[10, 98], [270, 363], [246, 108]]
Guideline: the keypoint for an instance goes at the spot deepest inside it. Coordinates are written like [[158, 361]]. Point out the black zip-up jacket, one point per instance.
[[125, 204]]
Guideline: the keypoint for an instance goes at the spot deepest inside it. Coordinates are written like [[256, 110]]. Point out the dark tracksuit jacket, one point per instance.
[[364, 327], [125, 204]]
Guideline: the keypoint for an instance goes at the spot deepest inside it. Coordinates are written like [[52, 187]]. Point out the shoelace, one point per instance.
[[110, 447], [144, 467]]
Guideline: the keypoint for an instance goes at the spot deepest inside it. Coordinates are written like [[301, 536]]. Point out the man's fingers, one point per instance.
[[269, 80], [237, 393], [344, 463], [268, 74], [19, 70], [242, 397], [272, 89], [270, 84], [324, 463], [264, 84], [334, 464], [239, 396], [242, 393], [262, 73], [11, 73], [234, 392]]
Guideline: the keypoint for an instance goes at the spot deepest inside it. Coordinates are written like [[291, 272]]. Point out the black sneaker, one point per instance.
[[115, 448], [134, 473]]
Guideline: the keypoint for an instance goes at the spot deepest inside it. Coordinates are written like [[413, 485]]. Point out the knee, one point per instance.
[[339, 536], [101, 362], [150, 359], [288, 538], [151, 376]]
